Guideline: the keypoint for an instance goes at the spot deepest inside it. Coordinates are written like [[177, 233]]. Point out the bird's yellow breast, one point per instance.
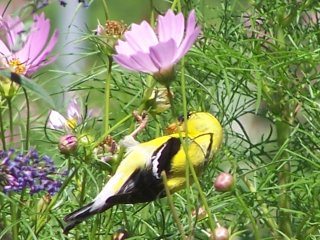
[[195, 150]]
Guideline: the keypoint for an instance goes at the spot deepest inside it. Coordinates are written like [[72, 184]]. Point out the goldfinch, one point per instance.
[[138, 177]]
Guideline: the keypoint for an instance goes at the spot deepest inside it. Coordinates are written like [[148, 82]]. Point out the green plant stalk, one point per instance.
[[107, 95], [14, 219], [109, 221], [190, 166], [10, 120], [106, 10], [83, 188], [2, 134], [151, 83], [264, 208], [185, 113], [202, 195], [13, 207], [248, 212], [27, 120], [176, 3], [171, 205], [283, 133], [125, 219], [94, 227], [43, 218], [145, 214]]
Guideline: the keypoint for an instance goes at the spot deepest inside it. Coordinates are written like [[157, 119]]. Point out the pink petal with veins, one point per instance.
[[41, 59], [126, 62], [163, 53], [171, 26], [141, 37], [145, 62]]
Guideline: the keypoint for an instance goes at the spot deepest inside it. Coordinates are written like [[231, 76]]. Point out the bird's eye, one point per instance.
[[181, 117]]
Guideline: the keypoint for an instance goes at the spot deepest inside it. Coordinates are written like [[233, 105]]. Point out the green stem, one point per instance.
[[44, 216], [109, 217], [250, 216], [14, 219], [171, 205], [151, 83], [176, 3], [283, 133], [2, 134], [10, 120], [106, 11], [192, 170], [83, 188], [185, 113], [107, 95], [202, 195], [264, 209], [170, 96], [27, 120]]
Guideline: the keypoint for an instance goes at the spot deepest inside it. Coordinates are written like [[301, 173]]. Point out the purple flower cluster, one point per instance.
[[28, 171]]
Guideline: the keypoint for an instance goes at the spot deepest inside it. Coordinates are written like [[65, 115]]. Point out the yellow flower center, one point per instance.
[[16, 66], [71, 123]]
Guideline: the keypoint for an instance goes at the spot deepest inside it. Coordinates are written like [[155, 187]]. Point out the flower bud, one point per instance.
[[68, 144], [8, 88], [220, 233], [109, 34], [43, 203], [224, 182], [200, 213]]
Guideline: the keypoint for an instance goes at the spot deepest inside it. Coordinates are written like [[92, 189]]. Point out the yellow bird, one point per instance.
[[138, 177]]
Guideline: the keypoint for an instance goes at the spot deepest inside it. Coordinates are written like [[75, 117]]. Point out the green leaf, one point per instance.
[[29, 85]]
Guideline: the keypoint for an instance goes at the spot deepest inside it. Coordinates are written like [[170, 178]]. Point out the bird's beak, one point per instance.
[[172, 128]]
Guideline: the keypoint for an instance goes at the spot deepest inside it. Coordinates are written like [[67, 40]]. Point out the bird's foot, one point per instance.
[[142, 119]]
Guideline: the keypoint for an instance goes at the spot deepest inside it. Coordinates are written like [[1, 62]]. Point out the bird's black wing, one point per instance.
[[145, 185]]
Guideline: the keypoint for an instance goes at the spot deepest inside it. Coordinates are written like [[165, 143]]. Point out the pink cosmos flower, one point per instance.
[[26, 57], [150, 51]]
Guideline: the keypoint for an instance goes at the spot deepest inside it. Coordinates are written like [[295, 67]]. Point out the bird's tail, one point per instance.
[[81, 214]]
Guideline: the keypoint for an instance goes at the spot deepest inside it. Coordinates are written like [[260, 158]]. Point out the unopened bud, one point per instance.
[[224, 182], [109, 34], [200, 213], [43, 203], [68, 144], [8, 88], [220, 233]]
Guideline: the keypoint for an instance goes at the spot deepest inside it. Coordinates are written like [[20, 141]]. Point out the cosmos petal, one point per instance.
[[171, 26], [141, 37], [163, 53]]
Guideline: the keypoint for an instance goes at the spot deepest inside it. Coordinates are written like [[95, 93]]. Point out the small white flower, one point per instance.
[[58, 121]]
